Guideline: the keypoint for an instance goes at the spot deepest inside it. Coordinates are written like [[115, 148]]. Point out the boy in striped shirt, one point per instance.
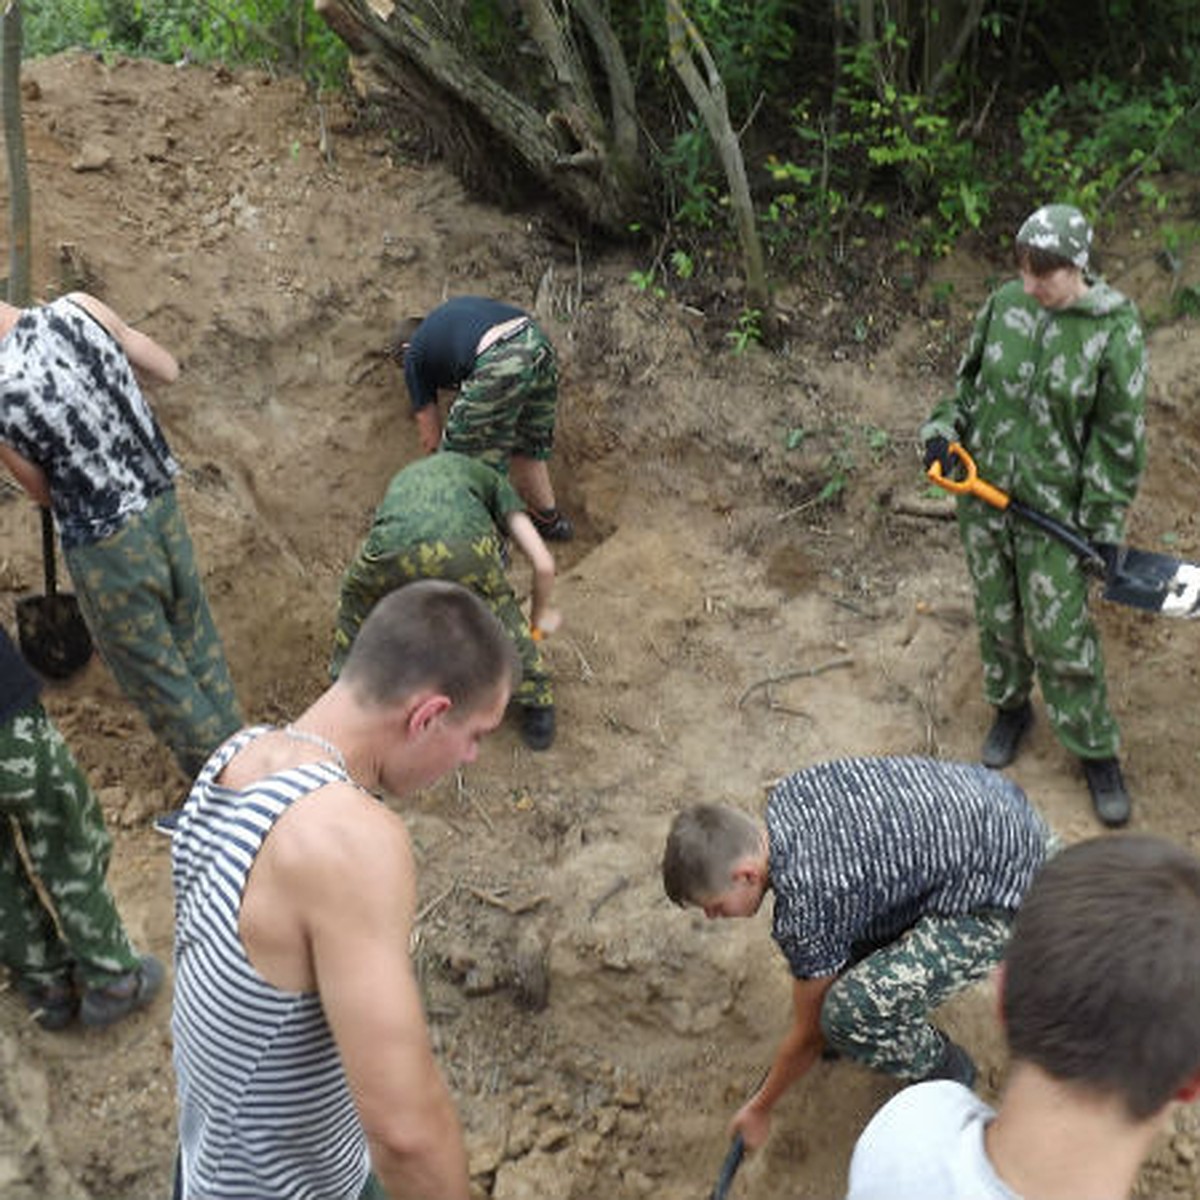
[[895, 883]]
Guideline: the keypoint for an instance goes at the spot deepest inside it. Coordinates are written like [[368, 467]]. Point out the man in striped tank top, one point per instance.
[[895, 883], [302, 1055]]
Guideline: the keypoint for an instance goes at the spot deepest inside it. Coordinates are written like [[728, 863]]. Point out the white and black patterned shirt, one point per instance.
[[863, 848], [72, 407]]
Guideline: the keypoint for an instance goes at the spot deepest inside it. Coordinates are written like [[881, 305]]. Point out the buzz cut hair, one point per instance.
[[704, 844], [432, 634]]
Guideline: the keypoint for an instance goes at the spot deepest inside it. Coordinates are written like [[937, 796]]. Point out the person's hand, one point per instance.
[[937, 450], [548, 621], [752, 1123]]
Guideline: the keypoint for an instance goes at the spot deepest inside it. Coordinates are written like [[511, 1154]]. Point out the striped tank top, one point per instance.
[[264, 1109]]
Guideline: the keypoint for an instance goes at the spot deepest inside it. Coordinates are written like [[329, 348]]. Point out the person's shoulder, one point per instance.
[[341, 833], [933, 1100], [912, 1146]]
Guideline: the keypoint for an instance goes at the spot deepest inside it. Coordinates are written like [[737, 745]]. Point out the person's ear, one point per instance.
[[747, 870], [427, 710]]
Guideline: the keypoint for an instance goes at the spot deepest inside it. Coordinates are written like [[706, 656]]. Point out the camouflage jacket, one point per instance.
[[1051, 405]]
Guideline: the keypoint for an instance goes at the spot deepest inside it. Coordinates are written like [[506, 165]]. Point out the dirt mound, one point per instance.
[[750, 591]]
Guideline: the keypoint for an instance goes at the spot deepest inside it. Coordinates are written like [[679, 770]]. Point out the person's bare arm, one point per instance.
[[531, 544], [361, 896], [145, 355], [429, 427], [29, 475], [796, 1054]]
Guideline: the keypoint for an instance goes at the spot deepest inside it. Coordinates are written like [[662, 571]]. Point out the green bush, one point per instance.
[[286, 34]]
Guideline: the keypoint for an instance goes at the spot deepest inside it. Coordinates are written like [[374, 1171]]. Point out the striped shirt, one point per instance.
[[72, 407], [264, 1109], [863, 848]]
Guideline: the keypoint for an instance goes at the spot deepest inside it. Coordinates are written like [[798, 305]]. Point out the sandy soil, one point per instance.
[[722, 627]]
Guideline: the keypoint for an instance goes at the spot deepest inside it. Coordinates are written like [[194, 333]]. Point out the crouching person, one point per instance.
[[895, 882]]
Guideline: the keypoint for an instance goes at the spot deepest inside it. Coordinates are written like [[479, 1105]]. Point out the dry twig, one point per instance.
[[513, 907], [798, 673]]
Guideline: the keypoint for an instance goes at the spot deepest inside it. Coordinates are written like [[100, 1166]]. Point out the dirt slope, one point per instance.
[[271, 245]]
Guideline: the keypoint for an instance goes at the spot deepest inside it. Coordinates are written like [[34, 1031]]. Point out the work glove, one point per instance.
[[937, 450], [1113, 556]]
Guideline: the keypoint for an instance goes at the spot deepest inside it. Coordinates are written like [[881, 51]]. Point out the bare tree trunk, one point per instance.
[[501, 143], [708, 95], [19, 270]]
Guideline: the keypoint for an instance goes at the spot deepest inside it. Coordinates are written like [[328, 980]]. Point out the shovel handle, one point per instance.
[[48, 561], [970, 484], [733, 1160]]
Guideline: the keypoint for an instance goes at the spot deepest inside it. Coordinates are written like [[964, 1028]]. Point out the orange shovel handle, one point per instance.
[[970, 484]]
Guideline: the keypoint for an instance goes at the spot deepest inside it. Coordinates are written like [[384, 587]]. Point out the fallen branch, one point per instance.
[[933, 510], [615, 888], [798, 673], [513, 907]]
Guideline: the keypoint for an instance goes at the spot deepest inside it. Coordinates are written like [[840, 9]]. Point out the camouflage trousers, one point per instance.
[[507, 404], [142, 598], [876, 1012], [1028, 585], [45, 796], [477, 566]]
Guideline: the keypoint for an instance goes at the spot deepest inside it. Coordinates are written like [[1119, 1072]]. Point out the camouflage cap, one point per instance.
[[1058, 229]]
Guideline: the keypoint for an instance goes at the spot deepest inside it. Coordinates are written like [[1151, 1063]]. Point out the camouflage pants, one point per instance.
[[142, 598], [506, 405], [1027, 584], [876, 1012], [476, 565], [45, 795]]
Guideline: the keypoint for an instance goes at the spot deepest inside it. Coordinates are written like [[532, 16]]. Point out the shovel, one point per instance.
[[50, 629], [1141, 579], [733, 1160]]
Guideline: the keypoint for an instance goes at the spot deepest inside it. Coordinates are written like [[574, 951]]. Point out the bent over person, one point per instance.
[[1098, 997], [302, 1056], [61, 936], [504, 372], [446, 517], [1050, 403], [79, 436], [895, 882]]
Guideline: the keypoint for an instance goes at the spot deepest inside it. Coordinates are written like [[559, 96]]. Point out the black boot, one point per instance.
[[1004, 738], [552, 525], [955, 1063], [1109, 797], [537, 726]]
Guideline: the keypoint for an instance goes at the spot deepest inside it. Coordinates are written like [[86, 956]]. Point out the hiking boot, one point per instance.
[[1003, 739], [552, 525], [955, 1063], [537, 726], [1109, 797], [135, 989], [52, 1005]]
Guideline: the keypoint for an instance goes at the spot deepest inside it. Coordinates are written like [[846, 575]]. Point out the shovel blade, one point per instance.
[[1156, 583], [53, 635]]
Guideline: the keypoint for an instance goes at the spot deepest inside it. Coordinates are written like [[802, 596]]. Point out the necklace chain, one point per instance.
[[315, 739]]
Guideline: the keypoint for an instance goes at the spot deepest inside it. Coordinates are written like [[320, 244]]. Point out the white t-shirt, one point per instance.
[[926, 1143]]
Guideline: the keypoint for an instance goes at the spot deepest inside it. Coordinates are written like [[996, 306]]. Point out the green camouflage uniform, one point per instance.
[[1050, 404], [45, 795], [875, 1012], [507, 404], [143, 601], [442, 518]]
